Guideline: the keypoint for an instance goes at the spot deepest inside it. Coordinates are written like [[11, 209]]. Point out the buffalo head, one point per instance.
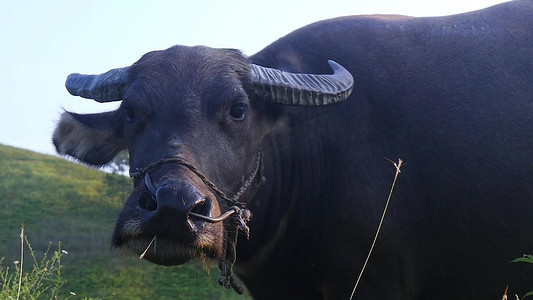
[[192, 120]]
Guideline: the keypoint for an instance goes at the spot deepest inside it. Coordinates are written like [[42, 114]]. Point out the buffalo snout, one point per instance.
[[160, 220], [172, 201]]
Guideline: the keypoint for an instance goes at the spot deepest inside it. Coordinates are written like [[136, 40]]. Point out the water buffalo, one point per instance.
[[299, 135]]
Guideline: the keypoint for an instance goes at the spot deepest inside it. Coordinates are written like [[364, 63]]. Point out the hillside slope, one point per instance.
[[58, 200]]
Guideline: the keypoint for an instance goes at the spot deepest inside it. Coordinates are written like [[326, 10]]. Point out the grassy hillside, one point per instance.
[[59, 200]]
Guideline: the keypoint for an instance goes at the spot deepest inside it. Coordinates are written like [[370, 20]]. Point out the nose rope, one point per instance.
[[239, 215], [233, 201]]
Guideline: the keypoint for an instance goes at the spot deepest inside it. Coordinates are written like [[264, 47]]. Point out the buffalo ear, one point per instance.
[[91, 138]]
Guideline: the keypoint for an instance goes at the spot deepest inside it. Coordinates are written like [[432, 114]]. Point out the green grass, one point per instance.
[[526, 258], [60, 201], [41, 280]]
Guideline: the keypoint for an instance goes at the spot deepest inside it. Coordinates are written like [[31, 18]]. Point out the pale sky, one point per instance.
[[41, 42]]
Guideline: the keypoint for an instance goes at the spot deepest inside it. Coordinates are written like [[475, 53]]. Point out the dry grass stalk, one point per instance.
[[144, 252], [504, 297], [21, 258], [398, 171]]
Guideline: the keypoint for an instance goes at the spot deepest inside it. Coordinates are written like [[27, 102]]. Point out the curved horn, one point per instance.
[[302, 89], [106, 87]]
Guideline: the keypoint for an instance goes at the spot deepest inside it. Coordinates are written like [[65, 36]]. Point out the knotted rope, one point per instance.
[[239, 219]]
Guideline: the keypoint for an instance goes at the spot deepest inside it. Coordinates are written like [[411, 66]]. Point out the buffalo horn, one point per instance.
[[302, 89], [106, 87]]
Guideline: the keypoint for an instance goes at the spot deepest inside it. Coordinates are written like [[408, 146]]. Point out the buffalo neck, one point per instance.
[[297, 174]]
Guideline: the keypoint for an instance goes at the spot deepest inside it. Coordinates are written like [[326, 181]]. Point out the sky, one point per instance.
[[41, 42]]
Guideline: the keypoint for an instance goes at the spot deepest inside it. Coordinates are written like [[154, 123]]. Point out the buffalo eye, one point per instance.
[[238, 111], [129, 115]]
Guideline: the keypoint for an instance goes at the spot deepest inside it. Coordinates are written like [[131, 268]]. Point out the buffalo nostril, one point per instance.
[[201, 208], [147, 202]]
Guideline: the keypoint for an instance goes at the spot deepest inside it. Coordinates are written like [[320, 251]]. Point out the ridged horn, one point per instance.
[[106, 87], [302, 89]]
